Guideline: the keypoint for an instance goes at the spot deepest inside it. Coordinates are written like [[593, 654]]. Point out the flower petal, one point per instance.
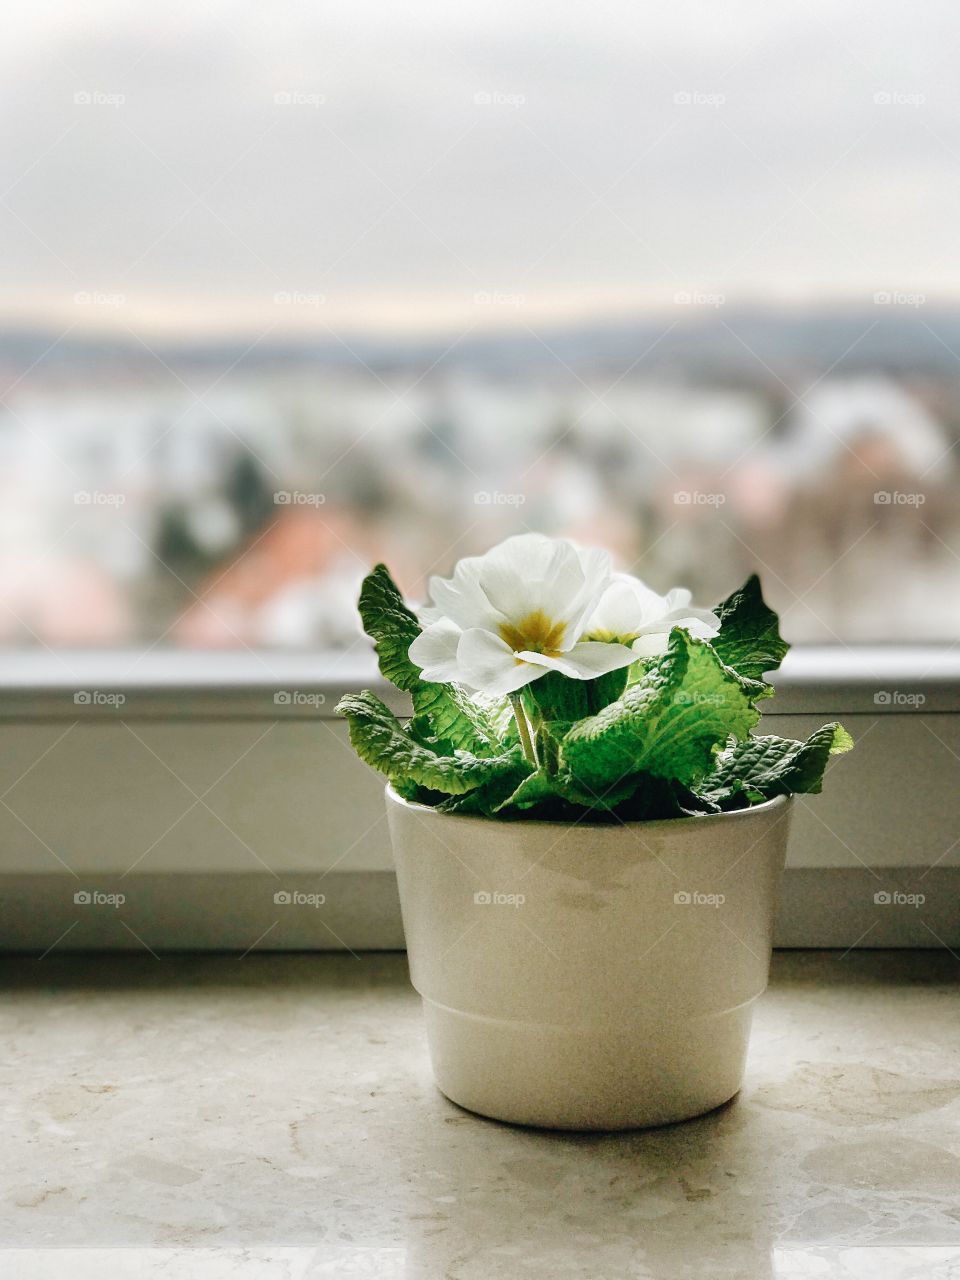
[[677, 598], [488, 664], [585, 660], [654, 639], [531, 573], [699, 627], [705, 617], [625, 607], [435, 652], [596, 574], [461, 597]]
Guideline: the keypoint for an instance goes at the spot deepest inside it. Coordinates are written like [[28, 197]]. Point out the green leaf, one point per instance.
[[764, 767], [456, 720], [498, 713], [391, 625], [556, 697], [542, 787], [749, 638], [487, 799], [379, 738], [603, 690], [668, 724]]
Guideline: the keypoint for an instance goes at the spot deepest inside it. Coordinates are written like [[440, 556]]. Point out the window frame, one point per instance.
[[327, 834]]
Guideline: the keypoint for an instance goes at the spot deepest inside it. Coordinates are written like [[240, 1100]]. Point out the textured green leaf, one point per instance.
[[556, 697], [764, 767], [391, 625], [749, 639], [543, 788], [455, 718], [487, 799], [668, 724], [379, 738]]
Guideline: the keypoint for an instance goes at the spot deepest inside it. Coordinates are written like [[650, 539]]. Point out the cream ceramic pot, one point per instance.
[[579, 976]]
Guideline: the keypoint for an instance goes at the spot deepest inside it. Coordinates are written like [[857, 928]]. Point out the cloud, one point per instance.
[[399, 160]]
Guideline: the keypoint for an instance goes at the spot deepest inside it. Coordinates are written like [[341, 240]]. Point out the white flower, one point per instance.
[[514, 614], [632, 613]]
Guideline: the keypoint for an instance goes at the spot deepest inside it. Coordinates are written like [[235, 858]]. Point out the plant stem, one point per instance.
[[523, 727]]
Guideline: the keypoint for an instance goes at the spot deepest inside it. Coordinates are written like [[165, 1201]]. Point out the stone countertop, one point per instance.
[[274, 1117]]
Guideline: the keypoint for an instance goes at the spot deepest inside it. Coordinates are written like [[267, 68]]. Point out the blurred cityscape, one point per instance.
[[218, 496]]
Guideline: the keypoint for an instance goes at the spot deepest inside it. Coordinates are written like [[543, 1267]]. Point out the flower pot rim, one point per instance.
[[672, 824]]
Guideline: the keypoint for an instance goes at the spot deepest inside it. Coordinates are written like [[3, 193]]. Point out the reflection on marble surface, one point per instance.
[[275, 1117], [340, 1262]]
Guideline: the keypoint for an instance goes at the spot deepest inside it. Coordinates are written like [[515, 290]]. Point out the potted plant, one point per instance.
[[588, 837]]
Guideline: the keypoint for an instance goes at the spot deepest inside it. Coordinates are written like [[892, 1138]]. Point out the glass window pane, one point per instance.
[[287, 291]]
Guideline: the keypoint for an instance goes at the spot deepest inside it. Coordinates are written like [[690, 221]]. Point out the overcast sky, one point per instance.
[[432, 164]]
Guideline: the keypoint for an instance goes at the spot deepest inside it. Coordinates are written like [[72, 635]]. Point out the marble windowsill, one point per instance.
[[274, 1117]]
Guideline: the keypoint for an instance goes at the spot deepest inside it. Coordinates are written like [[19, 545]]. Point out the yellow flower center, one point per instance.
[[610, 637], [536, 633]]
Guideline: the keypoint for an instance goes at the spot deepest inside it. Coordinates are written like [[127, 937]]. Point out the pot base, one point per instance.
[[596, 1078]]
